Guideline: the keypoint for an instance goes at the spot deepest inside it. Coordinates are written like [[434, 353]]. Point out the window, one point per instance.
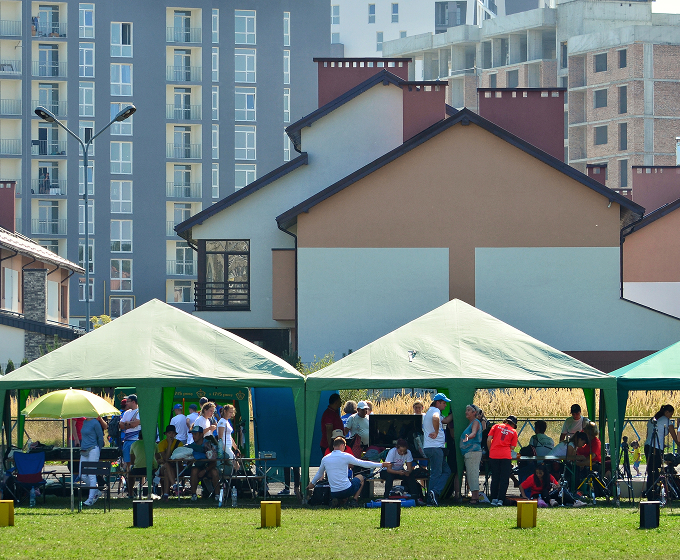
[[120, 306], [86, 57], [371, 13], [81, 289], [182, 212], [182, 291], [286, 104], [335, 38], [121, 128], [623, 100], [378, 41], [244, 142], [493, 79], [335, 15], [395, 13], [90, 254], [402, 34], [86, 132], [50, 245], [86, 21], [286, 29], [121, 197], [121, 79], [600, 135], [86, 93], [215, 26], [121, 39], [215, 141], [226, 275], [244, 64], [121, 236], [245, 104], [601, 62], [623, 173], [623, 58], [215, 180], [286, 147], [215, 64], [90, 179], [600, 96], [563, 55], [184, 260], [121, 275], [215, 103], [243, 175], [286, 67], [513, 78], [121, 157], [623, 136], [244, 27], [90, 217]]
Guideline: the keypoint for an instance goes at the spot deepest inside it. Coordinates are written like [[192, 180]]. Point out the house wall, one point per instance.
[[11, 345], [283, 285], [655, 186]]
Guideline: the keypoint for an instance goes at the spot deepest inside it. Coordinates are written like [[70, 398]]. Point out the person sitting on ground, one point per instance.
[[399, 464], [418, 407], [335, 466], [541, 443], [501, 441], [539, 486], [357, 424], [349, 409], [330, 420], [164, 451], [573, 424], [206, 464], [138, 463]]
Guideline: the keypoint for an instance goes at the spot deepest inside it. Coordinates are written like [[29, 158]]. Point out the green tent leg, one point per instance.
[[311, 404], [149, 407], [21, 420], [460, 398], [614, 423], [299, 396], [165, 414], [590, 403], [5, 422]]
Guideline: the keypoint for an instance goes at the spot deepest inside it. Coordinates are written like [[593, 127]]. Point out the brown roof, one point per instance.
[[26, 246]]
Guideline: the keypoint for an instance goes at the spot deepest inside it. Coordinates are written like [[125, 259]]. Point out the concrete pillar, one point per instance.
[[496, 53], [444, 56], [470, 12], [515, 46], [457, 58], [534, 44], [429, 59]]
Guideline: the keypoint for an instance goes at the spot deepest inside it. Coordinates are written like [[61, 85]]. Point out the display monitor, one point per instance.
[[385, 429]]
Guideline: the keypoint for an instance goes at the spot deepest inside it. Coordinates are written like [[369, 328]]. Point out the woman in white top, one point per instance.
[[205, 419], [655, 443], [224, 431]]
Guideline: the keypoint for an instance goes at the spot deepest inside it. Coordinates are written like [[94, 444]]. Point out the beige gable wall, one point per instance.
[[652, 254]]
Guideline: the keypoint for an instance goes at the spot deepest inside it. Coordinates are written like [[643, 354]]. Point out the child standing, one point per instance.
[[636, 457]]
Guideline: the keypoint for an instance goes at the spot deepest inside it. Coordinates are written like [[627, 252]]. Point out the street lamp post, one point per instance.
[[49, 117]]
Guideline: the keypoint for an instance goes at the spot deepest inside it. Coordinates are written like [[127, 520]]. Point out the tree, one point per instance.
[[10, 366], [49, 347], [100, 321]]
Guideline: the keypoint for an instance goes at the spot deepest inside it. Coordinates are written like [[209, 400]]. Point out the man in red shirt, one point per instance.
[[502, 439], [330, 420]]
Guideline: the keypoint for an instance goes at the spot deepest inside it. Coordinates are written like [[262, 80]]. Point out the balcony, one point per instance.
[[181, 268], [48, 148], [183, 151], [10, 67], [10, 28], [183, 35], [170, 229], [10, 147], [49, 69], [225, 296], [183, 73], [17, 188], [192, 190], [10, 107], [17, 225], [52, 227], [51, 30], [48, 187], [186, 113], [57, 108]]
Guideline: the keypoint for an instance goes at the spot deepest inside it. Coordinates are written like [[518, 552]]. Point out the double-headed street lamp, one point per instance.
[[49, 117]]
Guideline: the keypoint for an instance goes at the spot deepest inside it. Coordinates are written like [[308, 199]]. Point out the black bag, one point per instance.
[[321, 495], [113, 427]]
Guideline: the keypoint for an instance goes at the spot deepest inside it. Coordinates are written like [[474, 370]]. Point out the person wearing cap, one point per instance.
[[357, 424], [191, 418], [433, 446], [206, 464], [179, 421], [131, 424], [164, 451], [330, 420], [335, 465], [138, 459], [575, 423], [501, 441], [337, 434]]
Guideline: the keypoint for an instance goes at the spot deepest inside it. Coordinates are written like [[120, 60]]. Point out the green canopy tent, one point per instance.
[[459, 349], [156, 348]]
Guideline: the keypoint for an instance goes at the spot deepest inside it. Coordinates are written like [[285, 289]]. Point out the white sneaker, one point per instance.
[[579, 503]]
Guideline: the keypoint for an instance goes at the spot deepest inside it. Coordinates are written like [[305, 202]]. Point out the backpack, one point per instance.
[[321, 495], [114, 427]]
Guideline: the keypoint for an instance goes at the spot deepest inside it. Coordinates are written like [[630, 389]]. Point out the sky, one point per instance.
[[666, 6]]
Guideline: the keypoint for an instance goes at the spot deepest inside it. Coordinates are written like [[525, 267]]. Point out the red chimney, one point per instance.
[[597, 171], [7, 212], [338, 75], [534, 114], [654, 186], [424, 105]]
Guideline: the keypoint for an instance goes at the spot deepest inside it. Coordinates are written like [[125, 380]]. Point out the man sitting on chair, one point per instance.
[[206, 465], [164, 451]]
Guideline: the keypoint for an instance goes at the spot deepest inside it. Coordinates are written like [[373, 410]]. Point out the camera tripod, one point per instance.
[[594, 483], [623, 475], [667, 489]]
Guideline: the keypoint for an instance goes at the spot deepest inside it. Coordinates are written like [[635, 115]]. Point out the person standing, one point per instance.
[[433, 446], [179, 421], [658, 427], [132, 426], [357, 424], [502, 439], [471, 448], [205, 419], [330, 420], [91, 442], [349, 409], [574, 424], [224, 431], [191, 418]]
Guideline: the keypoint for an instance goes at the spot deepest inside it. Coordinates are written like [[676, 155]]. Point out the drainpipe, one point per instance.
[[295, 339]]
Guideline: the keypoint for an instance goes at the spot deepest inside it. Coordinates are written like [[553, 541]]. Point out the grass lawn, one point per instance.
[[203, 531]]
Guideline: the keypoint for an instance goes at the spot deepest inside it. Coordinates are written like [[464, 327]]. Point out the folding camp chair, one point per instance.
[[29, 473]]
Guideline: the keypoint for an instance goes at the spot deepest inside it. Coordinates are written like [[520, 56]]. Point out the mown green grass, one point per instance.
[[204, 531]]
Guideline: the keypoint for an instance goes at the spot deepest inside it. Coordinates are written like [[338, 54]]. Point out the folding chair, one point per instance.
[[101, 468], [29, 473]]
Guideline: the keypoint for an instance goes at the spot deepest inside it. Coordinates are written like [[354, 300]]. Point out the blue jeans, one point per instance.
[[353, 489], [439, 468]]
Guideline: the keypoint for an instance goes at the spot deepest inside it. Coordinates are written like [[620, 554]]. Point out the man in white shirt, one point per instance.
[[358, 423], [193, 414], [574, 424], [131, 424], [179, 421], [433, 446], [335, 465]]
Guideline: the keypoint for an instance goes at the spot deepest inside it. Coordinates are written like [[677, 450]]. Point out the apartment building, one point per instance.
[[617, 62], [214, 84]]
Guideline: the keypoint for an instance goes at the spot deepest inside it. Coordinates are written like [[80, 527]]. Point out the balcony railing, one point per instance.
[[192, 190], [186, 113], [183, 151], [49, 69], [10, 28], [183, 35], [52, 227], [10, 67], [51, 30], [170, 229], [212, 296], [10, 147], [48, 187], [58, 108], [181, 268], [183, 73], [17, 188], [48, 148], [10, 107]]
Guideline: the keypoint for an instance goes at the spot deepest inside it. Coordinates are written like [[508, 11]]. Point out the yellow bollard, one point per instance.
[[270, 513], [526, 513], [6, 513]]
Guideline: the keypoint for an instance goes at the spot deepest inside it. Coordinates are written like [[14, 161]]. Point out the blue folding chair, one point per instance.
[[29, 467]]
